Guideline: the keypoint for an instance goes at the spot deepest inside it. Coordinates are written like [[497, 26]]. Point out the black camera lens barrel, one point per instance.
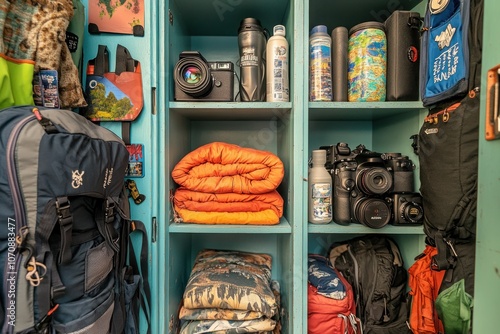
[[374, 180], [412, 212], [372, 212], [200, 88]]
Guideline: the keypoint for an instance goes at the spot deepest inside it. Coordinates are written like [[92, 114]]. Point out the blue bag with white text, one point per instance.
[[448, 38]]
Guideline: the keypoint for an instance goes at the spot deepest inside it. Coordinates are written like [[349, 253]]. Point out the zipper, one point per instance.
[[20, 219]]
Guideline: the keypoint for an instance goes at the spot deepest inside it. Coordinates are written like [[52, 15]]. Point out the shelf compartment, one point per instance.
[[361, 229], [349, 13], [221, 18], [282, 228], [360, 111], [232, 110]]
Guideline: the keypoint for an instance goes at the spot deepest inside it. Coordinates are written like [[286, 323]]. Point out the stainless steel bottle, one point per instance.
[[252, 48]]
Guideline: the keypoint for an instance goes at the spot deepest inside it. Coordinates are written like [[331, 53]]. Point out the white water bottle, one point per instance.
[[278, 89], [320, 190]]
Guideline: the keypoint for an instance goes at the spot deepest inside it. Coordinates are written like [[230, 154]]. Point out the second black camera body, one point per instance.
[[198, 80], [372, 188]]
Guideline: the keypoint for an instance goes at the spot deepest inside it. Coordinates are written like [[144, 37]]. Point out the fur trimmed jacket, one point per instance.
[[36, 30]]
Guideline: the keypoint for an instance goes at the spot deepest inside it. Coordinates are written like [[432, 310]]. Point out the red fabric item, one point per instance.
[[323, 312], [424, 286]]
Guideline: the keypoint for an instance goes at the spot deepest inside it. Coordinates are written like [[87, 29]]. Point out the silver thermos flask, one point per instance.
[[252, 48]]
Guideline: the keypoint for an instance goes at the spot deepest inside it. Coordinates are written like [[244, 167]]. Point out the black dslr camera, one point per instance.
[[196, 79], [372, 188]]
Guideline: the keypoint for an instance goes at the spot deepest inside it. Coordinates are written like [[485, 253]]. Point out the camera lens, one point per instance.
[[374, 181], [372, 212], [412, 212], [193, 76]]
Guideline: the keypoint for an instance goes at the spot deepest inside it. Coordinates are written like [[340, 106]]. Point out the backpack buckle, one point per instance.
[[415, 22], [66, 227], [109, 212], [110, 233]]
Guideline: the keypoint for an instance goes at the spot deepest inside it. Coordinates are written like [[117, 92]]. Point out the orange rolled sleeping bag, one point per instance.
[[226, 184], [226, 168]]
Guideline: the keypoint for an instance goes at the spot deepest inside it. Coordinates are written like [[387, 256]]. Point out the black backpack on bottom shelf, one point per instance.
[[373, 265], [65, 251]]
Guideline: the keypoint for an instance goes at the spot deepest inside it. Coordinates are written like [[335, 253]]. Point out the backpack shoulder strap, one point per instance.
[[475, 42], [141, 268]]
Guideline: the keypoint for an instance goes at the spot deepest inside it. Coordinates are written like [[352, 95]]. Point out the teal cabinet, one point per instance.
[[487, 272], [171, 129], [211, 28]]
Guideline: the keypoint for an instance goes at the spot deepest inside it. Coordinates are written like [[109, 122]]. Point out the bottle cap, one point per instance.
[[250, 24], [279, 30], [319, 29], [319, 157]]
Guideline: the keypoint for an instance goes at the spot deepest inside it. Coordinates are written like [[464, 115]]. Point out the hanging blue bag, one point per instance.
[[444, 69]]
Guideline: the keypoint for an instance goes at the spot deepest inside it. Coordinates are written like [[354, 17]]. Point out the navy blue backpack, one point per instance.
[[65, 250]]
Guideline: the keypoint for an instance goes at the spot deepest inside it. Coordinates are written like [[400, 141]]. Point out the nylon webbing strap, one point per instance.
[[65, 220], [441, 258], [475, 38], [51, 286], [105, 219], [446, 257], [101, 62], [126, 133], [142, 270], [124, 61]]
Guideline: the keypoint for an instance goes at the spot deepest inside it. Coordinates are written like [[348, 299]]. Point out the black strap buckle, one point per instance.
[[109, 212], [110, 233], [415, 22], [66, 226]]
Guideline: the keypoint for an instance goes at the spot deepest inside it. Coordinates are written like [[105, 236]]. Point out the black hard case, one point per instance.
[[403, 55]]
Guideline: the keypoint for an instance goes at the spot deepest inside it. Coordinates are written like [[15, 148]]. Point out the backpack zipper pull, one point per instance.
[[46, 123], [386, 316], [36, 272], [41, 326]]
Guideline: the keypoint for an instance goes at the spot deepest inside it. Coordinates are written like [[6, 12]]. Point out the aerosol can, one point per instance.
[[252, 49], [277, 67]]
